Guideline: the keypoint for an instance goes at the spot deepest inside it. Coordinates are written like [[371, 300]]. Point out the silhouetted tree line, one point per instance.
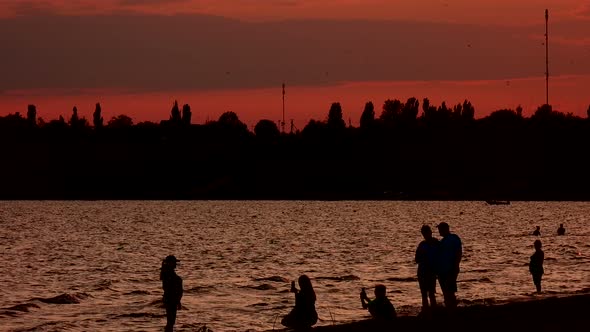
[[407, 150]]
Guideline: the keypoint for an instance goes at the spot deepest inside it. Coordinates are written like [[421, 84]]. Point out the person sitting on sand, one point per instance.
[[426, 258], [303, 314], [172, 285], [380, 307], [537, 231], [561, 230], [536, 265]]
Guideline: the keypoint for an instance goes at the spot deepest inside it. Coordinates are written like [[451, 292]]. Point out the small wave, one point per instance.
[[261, 304], [486, 280], [349, 277], [137, 292], [103, 285], [22, 307], [273, 278], [260, 287], [402, 279], [8, 313], [199, 327], [140, 315], [200, 289], [480, 270], [63, 298]]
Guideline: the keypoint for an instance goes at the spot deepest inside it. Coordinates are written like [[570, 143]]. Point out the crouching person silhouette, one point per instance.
[[303, 315], [380, 307], [172, 285]]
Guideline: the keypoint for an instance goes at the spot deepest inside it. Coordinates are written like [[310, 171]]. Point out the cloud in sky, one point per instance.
[[583, 11], [159, 53], [460, 11]]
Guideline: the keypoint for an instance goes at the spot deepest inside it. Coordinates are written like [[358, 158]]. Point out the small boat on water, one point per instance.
[[497, 202]]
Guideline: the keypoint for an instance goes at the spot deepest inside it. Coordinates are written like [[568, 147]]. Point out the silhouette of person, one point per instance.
[[450, 254], [172, 286], [426, 258], [561, 230], [303, 314], [380, 308], [537, 231], [536, 265]]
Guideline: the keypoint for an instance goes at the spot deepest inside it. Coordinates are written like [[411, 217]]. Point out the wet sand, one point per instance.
[[556, 313]]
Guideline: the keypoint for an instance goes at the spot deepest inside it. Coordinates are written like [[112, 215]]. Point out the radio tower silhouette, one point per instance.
[[547, 56]]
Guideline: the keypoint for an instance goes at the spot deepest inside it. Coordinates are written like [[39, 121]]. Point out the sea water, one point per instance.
[[94, 266]]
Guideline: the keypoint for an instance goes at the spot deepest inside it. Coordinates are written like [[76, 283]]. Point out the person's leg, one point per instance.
[[537, 282], [452, 290], [170, 317], [432, 292], [424, 291], [442, 280]]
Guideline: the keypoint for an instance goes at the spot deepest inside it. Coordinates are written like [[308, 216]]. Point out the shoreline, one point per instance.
[[547, 313]]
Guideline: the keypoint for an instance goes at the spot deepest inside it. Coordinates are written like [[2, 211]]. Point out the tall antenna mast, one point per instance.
[[283, 122], [547, 56]]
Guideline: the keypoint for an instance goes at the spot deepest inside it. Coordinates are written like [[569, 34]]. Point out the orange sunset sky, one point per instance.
[[136, 57]]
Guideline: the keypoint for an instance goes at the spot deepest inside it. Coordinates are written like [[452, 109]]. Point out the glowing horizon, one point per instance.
[[304, 103]]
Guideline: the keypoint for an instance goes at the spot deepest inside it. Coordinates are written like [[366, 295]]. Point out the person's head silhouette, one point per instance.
[[443, 229], [426, 232]]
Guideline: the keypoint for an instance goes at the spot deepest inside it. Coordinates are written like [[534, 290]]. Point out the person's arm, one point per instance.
[[180, 292], [458, 254], [418, 255], [364, 298]]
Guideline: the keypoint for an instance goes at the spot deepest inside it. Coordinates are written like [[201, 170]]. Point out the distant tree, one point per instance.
[[266, 130], [75, 121], [74, 118], [503, 116], [428, 111], [457, 110], [120, 121], [519, 111], [391, 111], [97, 117], [229, 123], [335, 119], [229, 119], [12, 121], [314, 130], [410, 110], [368, 116], [32, 115], [58, 124], [186, 114], [175, 113], [467, 111], [443, 111], [543, 112]]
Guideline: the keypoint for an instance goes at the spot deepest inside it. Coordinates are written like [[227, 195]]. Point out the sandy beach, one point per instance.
[[543, 313]]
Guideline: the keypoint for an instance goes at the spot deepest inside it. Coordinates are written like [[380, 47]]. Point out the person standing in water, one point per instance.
[[536, 265], [449, 258], [537, 231], [426, 258], [561, 230], [303, 314], [172, 286]]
